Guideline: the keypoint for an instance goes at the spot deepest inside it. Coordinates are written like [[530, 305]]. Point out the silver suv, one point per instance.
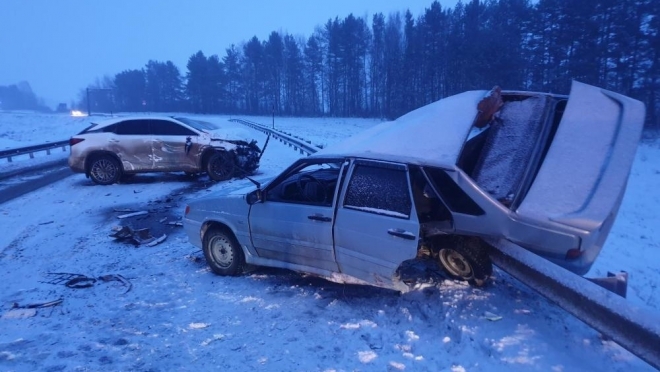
[[544, 171], [122, 147]]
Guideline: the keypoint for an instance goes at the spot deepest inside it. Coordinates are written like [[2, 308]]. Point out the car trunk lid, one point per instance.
[[584, 173]]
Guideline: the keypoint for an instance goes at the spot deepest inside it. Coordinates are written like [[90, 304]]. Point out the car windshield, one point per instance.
[[197, 124]]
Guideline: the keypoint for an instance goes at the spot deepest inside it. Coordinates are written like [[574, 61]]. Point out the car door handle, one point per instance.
[[113, 140], [319, 217], [402, 234]]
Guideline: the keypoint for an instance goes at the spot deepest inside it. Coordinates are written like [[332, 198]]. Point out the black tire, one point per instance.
[[220, 166], [468, 260], [223, 253], [105, 170]]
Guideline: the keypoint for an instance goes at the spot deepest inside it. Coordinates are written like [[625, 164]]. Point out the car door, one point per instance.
[[294, 222], [131, 142], [376, 226], [175, 146]]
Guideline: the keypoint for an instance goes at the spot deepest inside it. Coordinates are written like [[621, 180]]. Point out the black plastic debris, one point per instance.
[[80, 281], [138, 237]]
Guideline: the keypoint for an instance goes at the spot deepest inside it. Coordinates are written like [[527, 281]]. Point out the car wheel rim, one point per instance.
[[104, 170], [222, 252], [221, 167], [456, 264]]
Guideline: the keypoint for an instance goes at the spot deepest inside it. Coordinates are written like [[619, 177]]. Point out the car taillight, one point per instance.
[[73, 141], [187, 210], [573, 254]]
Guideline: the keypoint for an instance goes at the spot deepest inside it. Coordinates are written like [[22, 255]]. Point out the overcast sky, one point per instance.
[[61, 46]]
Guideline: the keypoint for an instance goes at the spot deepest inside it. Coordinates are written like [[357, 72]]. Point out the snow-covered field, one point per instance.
[[177, 315]]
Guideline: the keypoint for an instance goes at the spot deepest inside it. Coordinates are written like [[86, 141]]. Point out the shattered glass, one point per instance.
[[511, 140], [379, 189]]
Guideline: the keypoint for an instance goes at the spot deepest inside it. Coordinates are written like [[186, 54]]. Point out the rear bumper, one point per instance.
[[77, 164]]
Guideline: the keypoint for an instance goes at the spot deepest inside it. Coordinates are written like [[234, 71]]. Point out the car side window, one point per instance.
[[132, 127], [168, 128], [380, 188], [457, 200], [313, 184]]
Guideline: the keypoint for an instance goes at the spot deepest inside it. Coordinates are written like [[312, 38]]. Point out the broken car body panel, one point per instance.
[[159, 144], [357, 210]]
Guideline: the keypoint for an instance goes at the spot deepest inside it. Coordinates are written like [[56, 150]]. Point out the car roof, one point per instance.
[[107, 122], [431, 135]]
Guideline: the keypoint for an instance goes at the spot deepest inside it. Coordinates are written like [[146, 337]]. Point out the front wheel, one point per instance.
[[104, 170], [467, 260], [223, 253], [220, 166]]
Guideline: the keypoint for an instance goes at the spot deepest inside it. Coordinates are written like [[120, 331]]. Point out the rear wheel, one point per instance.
[[467, 260], [104, 170], [223, 253], [220, 166]]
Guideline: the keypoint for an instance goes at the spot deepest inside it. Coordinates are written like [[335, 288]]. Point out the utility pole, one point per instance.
[[273, 116], [89, 110]]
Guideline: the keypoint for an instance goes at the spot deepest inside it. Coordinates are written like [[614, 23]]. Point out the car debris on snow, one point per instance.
[[139, 236], [79, 281], [216, 337], [157, 241], [134, 214], [491, 316], [26, 311]]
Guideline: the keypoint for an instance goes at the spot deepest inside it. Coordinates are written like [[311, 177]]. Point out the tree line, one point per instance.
[[20, 97], [390, 64]]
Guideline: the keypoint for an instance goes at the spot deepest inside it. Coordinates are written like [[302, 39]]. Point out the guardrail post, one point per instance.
[[31, 155], [9, 159]]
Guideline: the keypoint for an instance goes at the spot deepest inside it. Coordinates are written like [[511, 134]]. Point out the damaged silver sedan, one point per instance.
[[122, 147], [545, 171]]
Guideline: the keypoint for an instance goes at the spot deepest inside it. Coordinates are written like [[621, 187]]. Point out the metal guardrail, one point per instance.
[[636, 329], [8, 154], [305, 147]]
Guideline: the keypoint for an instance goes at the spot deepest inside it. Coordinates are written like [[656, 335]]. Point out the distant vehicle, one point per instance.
[[544, 171], [125, 146]]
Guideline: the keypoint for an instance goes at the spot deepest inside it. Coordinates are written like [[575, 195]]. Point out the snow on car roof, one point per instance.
[[431, 135]]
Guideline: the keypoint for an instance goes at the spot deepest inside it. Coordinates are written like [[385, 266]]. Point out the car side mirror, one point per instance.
[[254, 197]]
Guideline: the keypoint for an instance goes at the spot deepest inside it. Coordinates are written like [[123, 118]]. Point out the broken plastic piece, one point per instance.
[[38, 305], [492, 317], [157, 241], [134, 214]]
